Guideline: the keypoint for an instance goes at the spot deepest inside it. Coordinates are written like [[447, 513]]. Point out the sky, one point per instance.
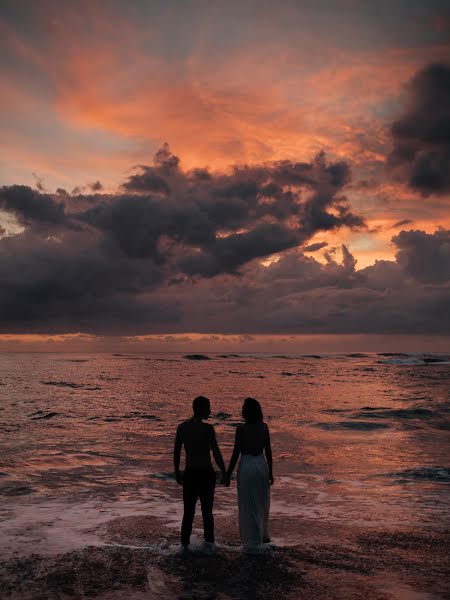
[[240, 175]]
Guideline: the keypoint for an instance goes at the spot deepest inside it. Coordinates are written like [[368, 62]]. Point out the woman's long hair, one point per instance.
[[251, 411]]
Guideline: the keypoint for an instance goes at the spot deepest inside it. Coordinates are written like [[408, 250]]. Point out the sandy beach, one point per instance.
[[359, 564]]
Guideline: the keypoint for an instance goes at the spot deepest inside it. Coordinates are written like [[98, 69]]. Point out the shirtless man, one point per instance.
[[199, 478]]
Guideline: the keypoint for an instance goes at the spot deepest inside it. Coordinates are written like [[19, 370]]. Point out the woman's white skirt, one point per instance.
[[253, 501]]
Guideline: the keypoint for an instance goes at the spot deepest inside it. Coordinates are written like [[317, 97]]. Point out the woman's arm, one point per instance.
[[268, 452], [236, 451]]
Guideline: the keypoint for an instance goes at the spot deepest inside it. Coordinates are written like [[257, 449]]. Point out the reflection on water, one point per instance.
[[357, 439]]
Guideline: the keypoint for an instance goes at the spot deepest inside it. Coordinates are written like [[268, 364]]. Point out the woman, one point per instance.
[[253, 478]]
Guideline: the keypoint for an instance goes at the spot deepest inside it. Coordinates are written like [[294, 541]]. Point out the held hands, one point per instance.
[[225, 480]]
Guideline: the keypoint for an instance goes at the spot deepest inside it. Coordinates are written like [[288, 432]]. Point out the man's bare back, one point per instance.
[[198, 439]]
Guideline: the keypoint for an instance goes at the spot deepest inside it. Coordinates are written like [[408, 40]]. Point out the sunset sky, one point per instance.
[[246, 175]]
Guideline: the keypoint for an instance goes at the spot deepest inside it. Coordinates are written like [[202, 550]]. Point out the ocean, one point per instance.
[[360, 443]]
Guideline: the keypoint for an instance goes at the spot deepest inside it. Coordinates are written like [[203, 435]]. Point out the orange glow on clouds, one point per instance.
[[97, 92], [193, 342]]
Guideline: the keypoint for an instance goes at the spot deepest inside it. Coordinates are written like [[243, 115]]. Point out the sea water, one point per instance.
[[359, 440]]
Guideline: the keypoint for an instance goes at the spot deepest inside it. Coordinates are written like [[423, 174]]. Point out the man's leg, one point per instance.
[[190, 496], [207, 502]]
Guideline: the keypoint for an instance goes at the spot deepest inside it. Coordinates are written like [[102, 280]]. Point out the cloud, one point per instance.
[[31, 207], [421, 136], [401, 223], [424, 257], [207, 223], [299, 295], [96, 186], [184, 258], [315, 247], [73, 283]]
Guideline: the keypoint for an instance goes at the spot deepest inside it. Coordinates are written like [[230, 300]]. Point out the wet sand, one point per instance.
[[359, 564]]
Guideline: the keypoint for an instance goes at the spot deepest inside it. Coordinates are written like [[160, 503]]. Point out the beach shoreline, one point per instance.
[[406, 564]]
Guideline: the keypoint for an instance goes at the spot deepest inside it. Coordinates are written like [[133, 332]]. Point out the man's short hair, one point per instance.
[[200, 404]]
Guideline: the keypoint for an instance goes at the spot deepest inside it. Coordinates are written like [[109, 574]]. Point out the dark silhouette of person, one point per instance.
[[255, 476], [199, 478]]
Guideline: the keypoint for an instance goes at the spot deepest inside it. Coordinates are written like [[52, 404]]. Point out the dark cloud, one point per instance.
[[146, 181], [425, 257], [226, 255], [298, 294], [210, 223], [39, 182], [402, 223], [315, 247], [72, 283], [421, 153], [31, 207], [96, 186], [147, 261]]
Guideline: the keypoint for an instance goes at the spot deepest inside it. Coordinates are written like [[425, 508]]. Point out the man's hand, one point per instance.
[[271, 479], [225, 480], [179, 478]]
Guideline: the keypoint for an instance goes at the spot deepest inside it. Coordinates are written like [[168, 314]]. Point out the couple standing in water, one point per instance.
[[254, 475]]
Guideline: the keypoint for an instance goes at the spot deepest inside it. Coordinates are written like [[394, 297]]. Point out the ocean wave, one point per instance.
[[393, 354], [438, 474], [164, 359], [196, 357], [74, 386], [413, 359], [18, 490], [127, 356], [74, 360], [127, 416], [394, 413], [401, 361], [352, 425], [164, 476], [139, 415], [222, 416], [39, 414]]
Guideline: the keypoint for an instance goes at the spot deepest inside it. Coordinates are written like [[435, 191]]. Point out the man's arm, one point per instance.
[[216, 451], [176, 455]]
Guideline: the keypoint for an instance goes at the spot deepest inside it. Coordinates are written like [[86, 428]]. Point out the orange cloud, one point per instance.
[[259, 102]]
